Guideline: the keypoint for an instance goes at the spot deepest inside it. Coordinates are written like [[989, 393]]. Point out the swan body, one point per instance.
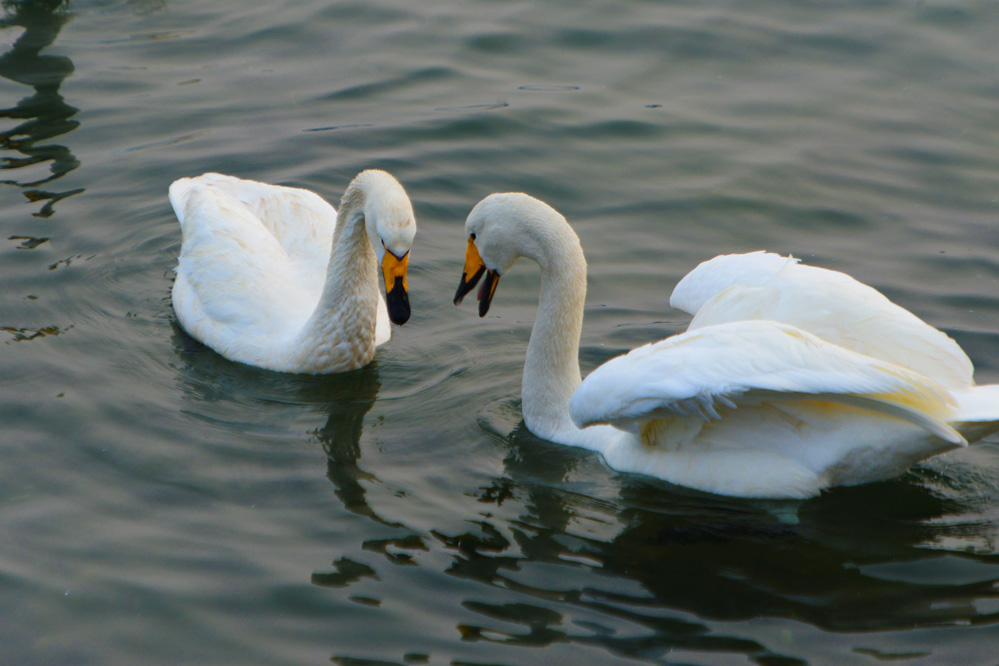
[[789, 380], [273, 277]]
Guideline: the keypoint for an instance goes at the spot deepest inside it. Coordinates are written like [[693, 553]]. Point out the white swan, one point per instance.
[[790, 380], [271, 276]]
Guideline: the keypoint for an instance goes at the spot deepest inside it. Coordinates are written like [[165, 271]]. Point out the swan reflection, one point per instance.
[[350, 397], [640, 569]]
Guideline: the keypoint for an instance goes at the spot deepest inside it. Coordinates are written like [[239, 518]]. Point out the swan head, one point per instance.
[[501, 229], [391, 227]]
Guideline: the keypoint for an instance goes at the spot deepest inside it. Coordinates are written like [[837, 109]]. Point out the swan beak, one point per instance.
[[487, 290], [396, 292], [474, 268]]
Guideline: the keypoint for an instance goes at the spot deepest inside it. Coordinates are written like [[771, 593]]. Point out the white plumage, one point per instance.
[[832, 305], [271, 276], [790, 379]]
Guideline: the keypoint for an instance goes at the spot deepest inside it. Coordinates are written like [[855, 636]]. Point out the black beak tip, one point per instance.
[[397, 301], [399, 316], [467, 285], [486, 293]]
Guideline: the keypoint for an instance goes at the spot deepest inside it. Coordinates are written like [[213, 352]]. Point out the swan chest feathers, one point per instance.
[[270, 276]]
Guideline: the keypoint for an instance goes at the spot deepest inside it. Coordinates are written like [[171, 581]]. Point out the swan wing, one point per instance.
[[828, 304], [236, 274], [696, 374], [714, 276], [302, 222]]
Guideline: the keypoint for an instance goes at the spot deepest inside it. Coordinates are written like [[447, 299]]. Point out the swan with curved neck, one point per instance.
[[274, 277], [765, 395]]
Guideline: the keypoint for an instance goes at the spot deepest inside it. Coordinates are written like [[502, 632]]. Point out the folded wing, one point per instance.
[[744, 364]]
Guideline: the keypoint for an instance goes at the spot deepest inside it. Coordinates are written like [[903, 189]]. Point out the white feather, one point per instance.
[[790, 380], [747, 363], [256, 281], [828, 304]]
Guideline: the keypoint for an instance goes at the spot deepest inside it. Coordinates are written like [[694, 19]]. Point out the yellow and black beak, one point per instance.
[[474, 268], [396, 293]]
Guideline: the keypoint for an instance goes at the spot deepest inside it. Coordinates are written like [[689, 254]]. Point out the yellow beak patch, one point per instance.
[[394, 269], [473, 261]]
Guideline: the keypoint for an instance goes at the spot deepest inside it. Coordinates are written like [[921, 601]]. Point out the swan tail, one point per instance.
[[178, 194], [977, 413], [978, 403]]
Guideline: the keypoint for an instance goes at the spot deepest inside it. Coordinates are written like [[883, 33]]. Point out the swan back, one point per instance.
[[301, 221], [245, 273], [715, 275], [826, 303]]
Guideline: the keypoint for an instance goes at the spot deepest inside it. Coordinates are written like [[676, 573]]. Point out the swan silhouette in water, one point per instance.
[[790, 379]]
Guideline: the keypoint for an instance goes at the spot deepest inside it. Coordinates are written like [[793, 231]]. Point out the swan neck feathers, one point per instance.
[[339, 332], [551, 366]]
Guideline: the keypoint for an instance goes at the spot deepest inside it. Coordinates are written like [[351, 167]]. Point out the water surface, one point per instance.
[[161, 505]]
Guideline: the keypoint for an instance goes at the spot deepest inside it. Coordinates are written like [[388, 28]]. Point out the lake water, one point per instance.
[[161, 505]]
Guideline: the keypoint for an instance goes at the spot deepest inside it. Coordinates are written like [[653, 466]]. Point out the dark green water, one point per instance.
[[160, 505]]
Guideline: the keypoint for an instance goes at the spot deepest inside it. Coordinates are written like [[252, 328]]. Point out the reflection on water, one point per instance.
[[161, 504], [44, 114], [669, 571], [350, 399]]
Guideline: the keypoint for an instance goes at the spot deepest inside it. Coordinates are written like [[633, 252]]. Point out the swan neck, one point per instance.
[[340, 334], [551, 368]]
